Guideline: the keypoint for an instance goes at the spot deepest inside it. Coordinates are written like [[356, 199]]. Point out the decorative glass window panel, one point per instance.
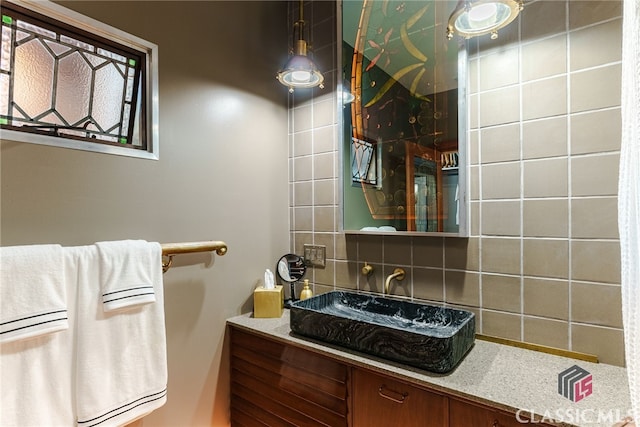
[[363, 162], [65, 85]]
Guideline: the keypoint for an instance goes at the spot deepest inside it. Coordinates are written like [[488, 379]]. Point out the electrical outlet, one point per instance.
[[315, 255]]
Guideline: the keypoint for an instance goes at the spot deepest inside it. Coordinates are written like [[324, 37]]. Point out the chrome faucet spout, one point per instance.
[[398, 274]]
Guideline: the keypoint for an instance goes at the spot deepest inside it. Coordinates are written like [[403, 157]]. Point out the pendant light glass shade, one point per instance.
[[300, 71], [473, 18]]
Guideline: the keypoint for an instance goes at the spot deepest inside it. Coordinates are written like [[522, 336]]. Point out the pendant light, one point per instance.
[[300, 71], [473, 18]]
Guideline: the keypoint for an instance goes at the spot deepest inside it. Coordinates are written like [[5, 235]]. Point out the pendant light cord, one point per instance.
[[299, 24]]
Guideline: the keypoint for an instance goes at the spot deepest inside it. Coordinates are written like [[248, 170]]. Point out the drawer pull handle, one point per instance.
[[394, 396], [496, 423]]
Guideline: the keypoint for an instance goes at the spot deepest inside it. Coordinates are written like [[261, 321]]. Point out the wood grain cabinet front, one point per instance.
[[463, 414], [275, 385], [379, 400]]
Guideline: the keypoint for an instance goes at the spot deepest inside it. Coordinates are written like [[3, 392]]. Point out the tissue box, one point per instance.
[[268, 302]]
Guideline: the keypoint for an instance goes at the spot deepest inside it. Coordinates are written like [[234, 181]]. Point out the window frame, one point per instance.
[[84, 24]]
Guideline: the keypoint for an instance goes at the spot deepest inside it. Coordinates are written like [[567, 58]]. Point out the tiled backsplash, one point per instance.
[[542, 263]]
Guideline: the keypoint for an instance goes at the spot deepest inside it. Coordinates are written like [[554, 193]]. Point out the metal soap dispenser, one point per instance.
[[306, 290]]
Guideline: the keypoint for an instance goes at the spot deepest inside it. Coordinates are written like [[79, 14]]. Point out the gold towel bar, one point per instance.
[[171, 249]]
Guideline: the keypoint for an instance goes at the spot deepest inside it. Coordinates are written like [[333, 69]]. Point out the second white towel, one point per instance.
[[125, 272], [121, 371]]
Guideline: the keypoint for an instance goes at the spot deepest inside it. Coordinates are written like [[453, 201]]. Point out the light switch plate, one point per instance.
[[315, 255]]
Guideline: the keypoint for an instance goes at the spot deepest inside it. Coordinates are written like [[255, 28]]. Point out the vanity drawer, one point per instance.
[[381, 401], [463, 413]]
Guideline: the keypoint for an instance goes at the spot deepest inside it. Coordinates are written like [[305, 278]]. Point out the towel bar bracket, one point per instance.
[[167, 264], [171, 249]]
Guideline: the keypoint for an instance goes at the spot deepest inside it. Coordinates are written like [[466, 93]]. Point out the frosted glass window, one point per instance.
[[65, 82]]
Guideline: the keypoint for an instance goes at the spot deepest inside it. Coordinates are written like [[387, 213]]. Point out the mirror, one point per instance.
[[404, 119], [291, 269]]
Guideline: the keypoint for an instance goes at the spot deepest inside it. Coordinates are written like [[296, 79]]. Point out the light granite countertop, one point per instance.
[[502, 376]]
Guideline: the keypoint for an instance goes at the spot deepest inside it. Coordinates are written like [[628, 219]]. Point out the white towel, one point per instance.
[[37, 374], [32, 292], [121, 365], [125, 272]]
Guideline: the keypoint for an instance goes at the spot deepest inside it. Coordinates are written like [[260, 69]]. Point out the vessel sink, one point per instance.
[[425, 336]]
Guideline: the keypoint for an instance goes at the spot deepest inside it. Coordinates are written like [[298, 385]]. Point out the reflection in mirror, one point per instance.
[[291, 269], [403, 150]]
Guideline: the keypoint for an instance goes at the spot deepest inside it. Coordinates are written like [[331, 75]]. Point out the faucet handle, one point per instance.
[[399, 273], [367, 269]]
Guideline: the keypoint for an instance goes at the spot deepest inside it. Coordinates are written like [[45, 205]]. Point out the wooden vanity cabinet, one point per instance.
[[462, 413], [381, 401], [276, 384]]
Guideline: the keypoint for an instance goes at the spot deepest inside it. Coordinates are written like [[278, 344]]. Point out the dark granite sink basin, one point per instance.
[[421, 335]]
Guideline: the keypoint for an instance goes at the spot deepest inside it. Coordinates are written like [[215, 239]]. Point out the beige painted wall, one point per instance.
[[222, 175], [542, 263]]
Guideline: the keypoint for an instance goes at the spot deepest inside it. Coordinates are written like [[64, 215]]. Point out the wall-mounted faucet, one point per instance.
[[398, 274], [367, 269]]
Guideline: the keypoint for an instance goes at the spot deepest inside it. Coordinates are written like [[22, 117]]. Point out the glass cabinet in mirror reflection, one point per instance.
[[404, 125]]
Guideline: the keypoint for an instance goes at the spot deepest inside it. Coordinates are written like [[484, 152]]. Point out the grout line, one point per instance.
[[569, 183], [521, 201], [480, 326], [291, 171]]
